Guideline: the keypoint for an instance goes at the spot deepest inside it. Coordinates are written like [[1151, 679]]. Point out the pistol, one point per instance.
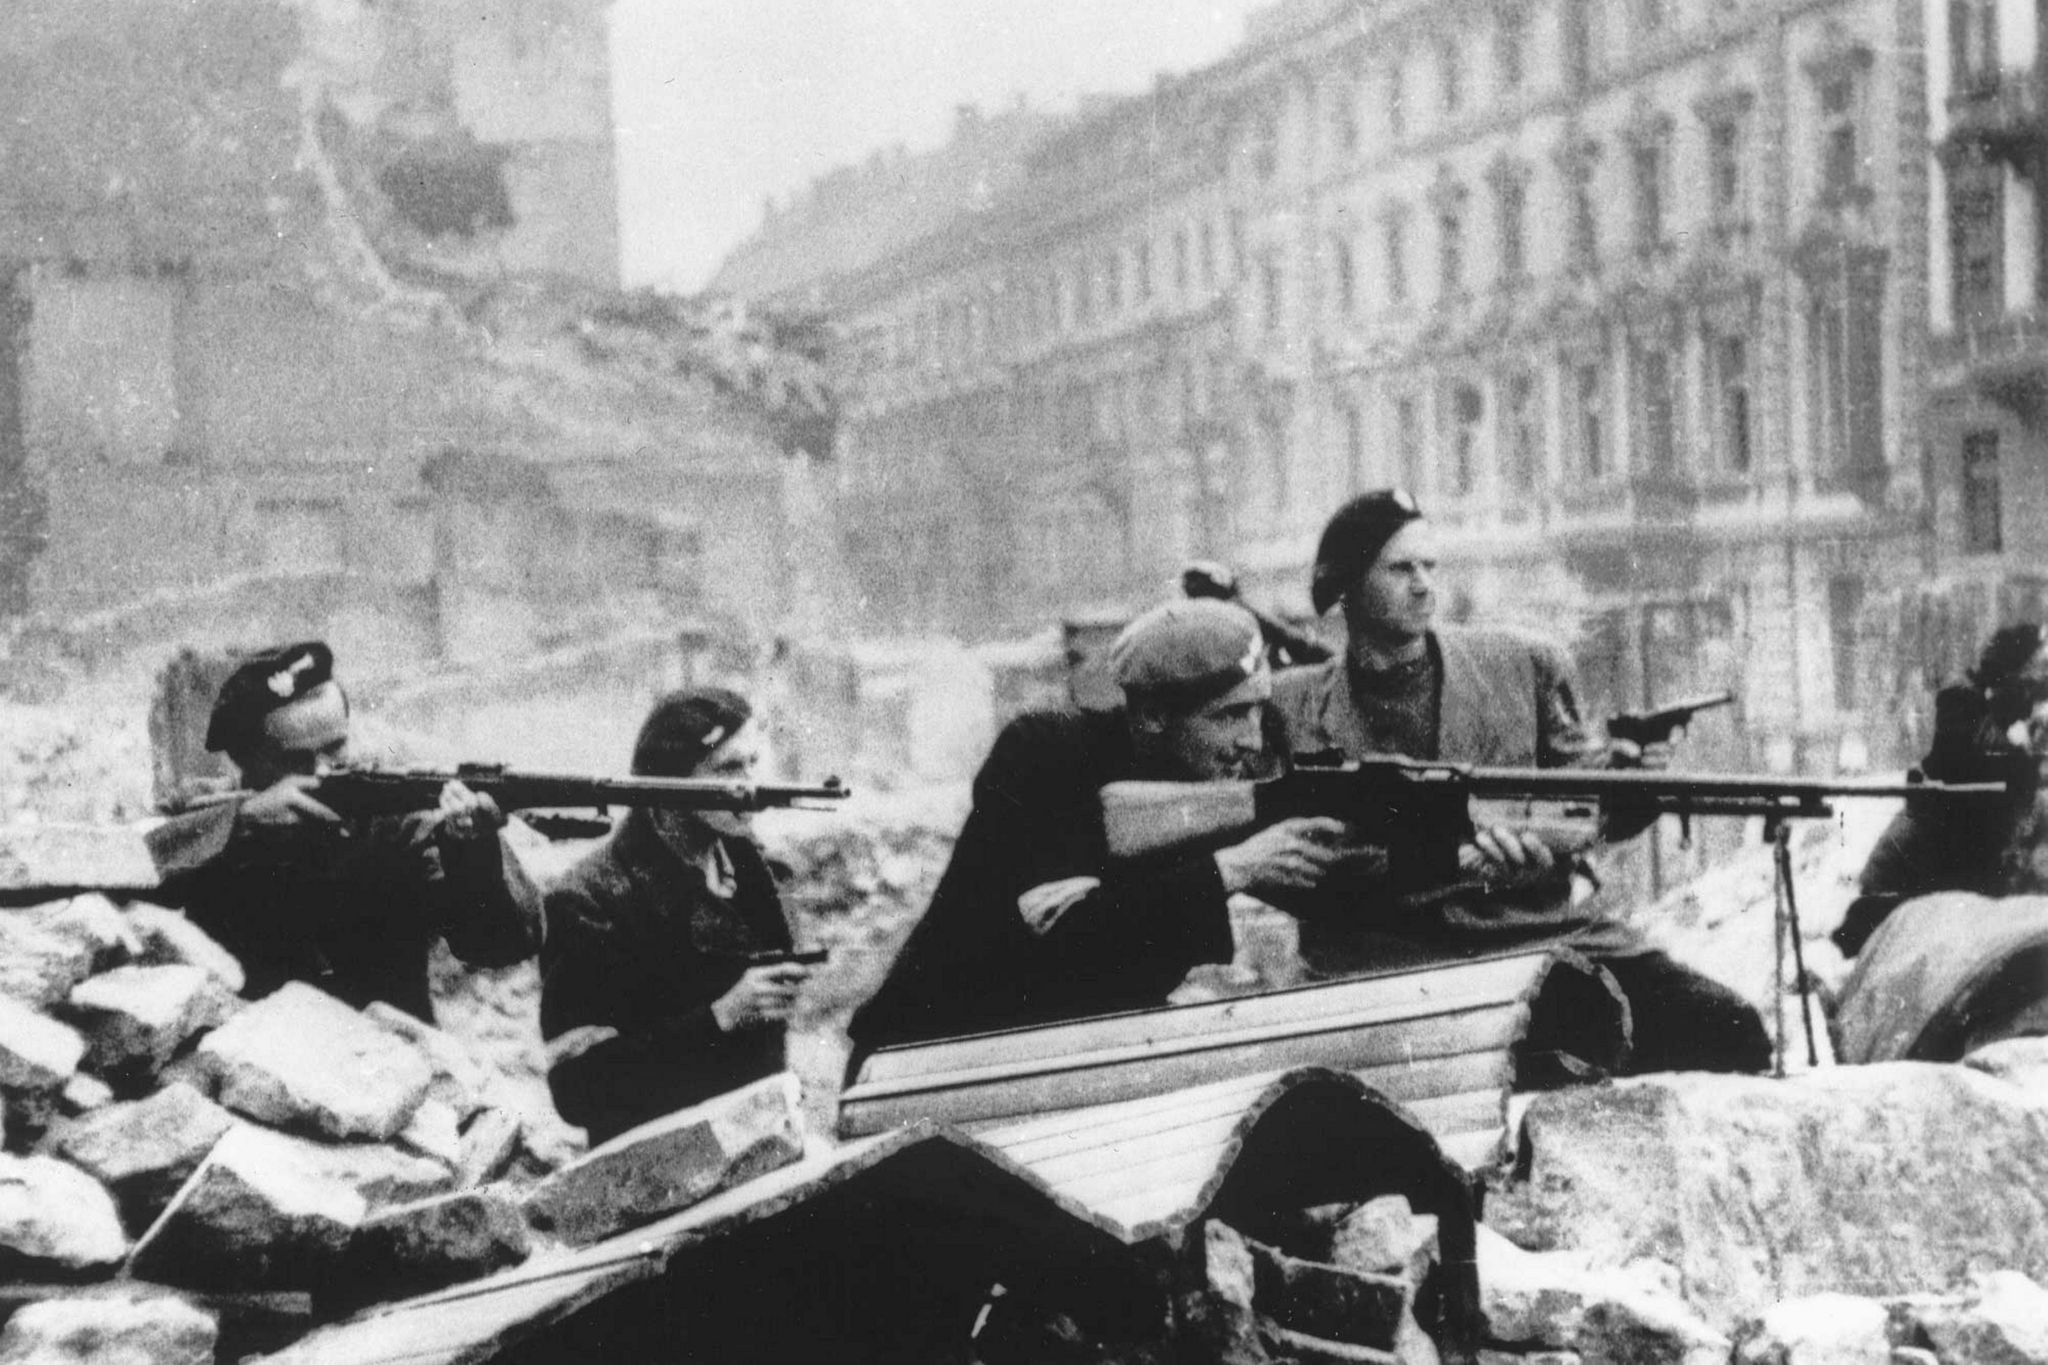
[[1655, 727], [776, 957]]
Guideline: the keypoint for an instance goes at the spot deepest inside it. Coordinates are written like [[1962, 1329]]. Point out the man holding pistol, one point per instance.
[[667, 975], [300, 894], [1031, 921], [1408, 686]]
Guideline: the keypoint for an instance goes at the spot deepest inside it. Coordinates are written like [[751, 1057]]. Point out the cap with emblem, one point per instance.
[[685, 726], [1188, 652], [1354, 538], [261, 684]]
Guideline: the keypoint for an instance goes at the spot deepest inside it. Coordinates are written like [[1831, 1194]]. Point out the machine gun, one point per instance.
[[365, 793]]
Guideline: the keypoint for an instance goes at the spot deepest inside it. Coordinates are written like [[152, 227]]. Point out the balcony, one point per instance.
[[2001, 116], [2004, 359]]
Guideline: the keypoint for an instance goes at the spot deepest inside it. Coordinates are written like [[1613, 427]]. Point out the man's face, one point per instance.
[[1218, 740], [1395, 596], [733, 761], [307, 737]]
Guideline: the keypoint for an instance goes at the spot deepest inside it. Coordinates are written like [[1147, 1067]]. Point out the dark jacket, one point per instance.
[[974, 964], [638, 943], [1506, 700], [355, 914]]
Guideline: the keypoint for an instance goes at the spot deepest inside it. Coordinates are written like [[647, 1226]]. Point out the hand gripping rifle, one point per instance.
[[1419, 813], [364, 793]]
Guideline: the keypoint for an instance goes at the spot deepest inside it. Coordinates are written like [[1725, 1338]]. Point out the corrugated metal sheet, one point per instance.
[[1437, 1040]]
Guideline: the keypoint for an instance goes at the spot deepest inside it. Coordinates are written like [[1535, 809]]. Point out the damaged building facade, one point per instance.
[[312, 326], [1631, 293]]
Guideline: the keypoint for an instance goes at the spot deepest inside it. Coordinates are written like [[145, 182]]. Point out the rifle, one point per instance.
[[364, 793], [1655, 727], [1420, 812], [776, 957]]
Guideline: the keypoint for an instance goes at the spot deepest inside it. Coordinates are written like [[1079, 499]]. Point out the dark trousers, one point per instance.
[[1679, 1021]]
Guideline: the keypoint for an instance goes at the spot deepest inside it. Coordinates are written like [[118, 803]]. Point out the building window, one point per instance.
[[1354, 447], [1269, 293], [1180, 262], [1584, 243], [1647, 162], [1523, 435], [1467, 412], [1841, 169], [1345, 273], [1142, 272], [1656, 411], [1408, 442], [1845, 613], [1983, 524], [1510, 38], [1206, 243], [1827, 352], [1344, 118], [1581, 40], [1730, 358], [1724, 174], [1972, 45], [1845, 363], [1589, 394], [1397, 259], [1397, 100], [1451, 75], [1266, 147], [1513, 192], [1976, 232], [1839, 72], [1450, 226]]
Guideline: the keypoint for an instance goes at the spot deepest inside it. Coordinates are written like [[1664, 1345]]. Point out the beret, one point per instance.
[[1354, 538], [685, 726], [260, 684], [1187, 651]]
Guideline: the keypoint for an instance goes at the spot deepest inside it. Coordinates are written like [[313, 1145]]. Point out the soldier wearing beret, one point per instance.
[[1407, 685], [299, 894], [1031, 922], [646, 991]]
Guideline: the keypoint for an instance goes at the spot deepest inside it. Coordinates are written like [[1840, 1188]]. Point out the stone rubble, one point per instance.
[[141, 1328], [300, 1059], [136, 1018]]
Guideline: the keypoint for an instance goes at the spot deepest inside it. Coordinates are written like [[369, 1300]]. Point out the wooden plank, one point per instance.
[[1475, 1149], [1053, 1135], [1351, 1003], [1397, 1047]]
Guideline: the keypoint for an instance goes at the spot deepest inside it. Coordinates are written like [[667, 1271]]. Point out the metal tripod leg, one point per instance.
[[1779, 832]]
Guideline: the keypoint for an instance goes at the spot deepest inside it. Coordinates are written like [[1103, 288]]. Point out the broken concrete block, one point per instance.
[[136, 1018], [1384, 1236], [1227, 1263], [94, 921], [1823, 1329], [145, 1149], [1530, 1298], [381, 1173], [434, 1131], [168, 937], [253, 1216], [82, 1094], [1320, 1300], [140, 1328], [414, 1248], [302, 1060], [1305, 1348], [55, 1218], [672, 1163], [2002, 1319], [460, 1081], [39, 967], [36, 1052], [487, 1147]]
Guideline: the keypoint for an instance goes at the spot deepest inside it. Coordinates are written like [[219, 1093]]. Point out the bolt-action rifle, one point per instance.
[[364, 793]]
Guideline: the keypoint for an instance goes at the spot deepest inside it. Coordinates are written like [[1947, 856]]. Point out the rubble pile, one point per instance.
[[176, 1158]]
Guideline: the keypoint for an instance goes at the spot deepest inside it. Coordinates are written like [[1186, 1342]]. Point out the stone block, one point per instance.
[[2002, 1319], [38, 967], [253, 1216], [460, 1080], [1385, 1236], [95, 921], [136, 1018], [1822, 1329], [36, 1052], [1322, 1300], [381, 1173], [82, 1094], [434, 1131], [1227, 1263], [145, 1149], [672, 1163], [55, 1219], [414, 1248], [302, 1060], [488, 1145], [1305, 1348], [168, 938], [137, 1328]]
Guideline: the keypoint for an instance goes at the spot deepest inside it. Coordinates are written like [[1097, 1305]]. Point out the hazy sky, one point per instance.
[[723, 102]]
